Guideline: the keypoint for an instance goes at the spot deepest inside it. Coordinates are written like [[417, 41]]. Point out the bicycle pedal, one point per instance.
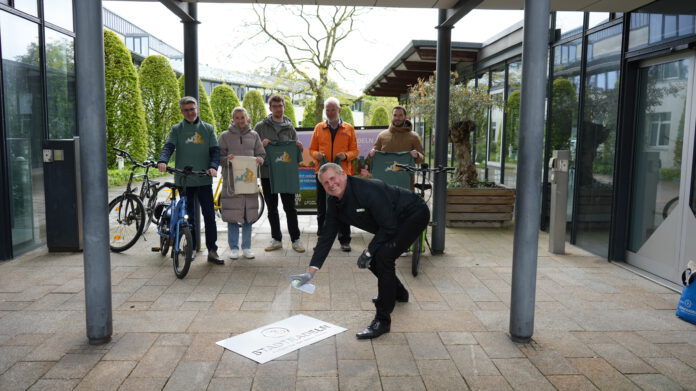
[[155, 249]]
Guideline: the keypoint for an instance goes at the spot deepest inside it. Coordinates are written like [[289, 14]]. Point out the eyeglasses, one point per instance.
[[277, 106], [188, 110]]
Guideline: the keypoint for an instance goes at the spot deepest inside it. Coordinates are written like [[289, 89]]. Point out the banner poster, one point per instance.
[[306, 199], [280, 338]]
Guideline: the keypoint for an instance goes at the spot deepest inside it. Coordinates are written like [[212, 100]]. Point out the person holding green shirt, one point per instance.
[[196, 147]]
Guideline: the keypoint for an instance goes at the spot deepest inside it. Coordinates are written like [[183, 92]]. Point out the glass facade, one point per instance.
[[569, 22], [481, 132], [24, 127], [38, 101], [512, 123], [597, 140], [656, 25]]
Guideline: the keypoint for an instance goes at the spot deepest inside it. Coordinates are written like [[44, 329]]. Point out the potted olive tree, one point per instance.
[[470, 202]]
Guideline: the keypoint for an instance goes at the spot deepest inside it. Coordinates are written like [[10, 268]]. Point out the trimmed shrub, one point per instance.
[[290, 111], [203, 102], [308, 117], [125, 116], [347, 114], [380, 117], [253, 102], [223, 100], [160, 99]]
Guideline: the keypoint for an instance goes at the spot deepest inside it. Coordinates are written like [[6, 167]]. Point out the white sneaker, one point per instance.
[[406, 254], [248, 254], [274, 245], [297, 246], [234, 254]]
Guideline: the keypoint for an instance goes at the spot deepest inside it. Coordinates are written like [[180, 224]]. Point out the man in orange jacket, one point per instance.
[[333, 141]]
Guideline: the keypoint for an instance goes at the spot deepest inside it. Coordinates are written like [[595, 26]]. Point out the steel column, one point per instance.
[[91, 122], [529, 166], [442, 87], [191, 53]]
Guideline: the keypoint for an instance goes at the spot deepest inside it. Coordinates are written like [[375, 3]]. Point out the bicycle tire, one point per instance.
[[416, 254], [182, 258], [262, 207], [150, 207], [126, 222], [164, 245]]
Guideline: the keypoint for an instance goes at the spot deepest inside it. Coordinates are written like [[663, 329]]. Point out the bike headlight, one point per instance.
[[186, 217]]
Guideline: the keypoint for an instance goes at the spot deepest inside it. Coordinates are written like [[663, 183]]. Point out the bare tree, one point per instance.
[[314, 49]]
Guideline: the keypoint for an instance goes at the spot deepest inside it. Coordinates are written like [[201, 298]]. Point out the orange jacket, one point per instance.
[[344, 141]]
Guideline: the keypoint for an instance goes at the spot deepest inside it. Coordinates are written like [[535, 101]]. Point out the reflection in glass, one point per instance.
[[495, 135], [564, 103], [60, 76], [512, 127], [652, 28], [595, 153], [657, 165], [59, 12], [569, 22], [481, 133], [23, 104]]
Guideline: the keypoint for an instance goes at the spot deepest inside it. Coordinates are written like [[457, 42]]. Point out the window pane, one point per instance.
[[24, 124], [595, 153], [481, 133], [569, 22], [564, 114], [660, 22], [597, 18], [59, 12], [28, 6], [60, 76], [495, 135], [512, 126]]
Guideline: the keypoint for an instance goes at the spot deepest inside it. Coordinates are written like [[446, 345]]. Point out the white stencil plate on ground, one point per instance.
[[276, 339]]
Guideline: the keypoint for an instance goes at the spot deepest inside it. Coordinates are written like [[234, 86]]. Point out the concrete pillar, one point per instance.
[[529, 167], [91, 122]]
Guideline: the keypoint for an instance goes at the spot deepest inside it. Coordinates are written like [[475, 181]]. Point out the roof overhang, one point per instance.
[[417, 60]]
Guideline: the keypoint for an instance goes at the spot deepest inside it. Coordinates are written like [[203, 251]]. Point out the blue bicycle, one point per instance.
[[173, 225]]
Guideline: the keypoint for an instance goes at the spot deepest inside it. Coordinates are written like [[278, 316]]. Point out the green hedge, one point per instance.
[[161, 100], [253, 102], [347, 114], [290, 111], [380, 117], [223, 100], [120, 177]]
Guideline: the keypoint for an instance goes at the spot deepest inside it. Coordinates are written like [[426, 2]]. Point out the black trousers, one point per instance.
[[205, 199], [383, 266], [343, 228], [273, 216]]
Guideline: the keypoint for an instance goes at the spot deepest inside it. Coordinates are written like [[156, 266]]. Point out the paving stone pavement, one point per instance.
[[597, 325]]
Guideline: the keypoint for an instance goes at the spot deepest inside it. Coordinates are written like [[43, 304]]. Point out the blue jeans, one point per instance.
[[233, 235]]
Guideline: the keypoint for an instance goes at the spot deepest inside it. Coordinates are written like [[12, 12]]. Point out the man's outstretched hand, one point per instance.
[[364, 260], [301, 279]]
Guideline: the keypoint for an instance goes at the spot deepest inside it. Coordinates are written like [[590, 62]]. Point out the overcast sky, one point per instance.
[[381, 34]]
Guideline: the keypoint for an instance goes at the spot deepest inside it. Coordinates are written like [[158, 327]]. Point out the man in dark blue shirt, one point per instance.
[[395, 216]]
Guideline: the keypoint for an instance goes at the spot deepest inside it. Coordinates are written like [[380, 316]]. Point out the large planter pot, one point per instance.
[[486, 207]]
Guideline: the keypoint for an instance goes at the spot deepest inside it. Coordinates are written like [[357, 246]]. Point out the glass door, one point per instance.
[[662, 169]]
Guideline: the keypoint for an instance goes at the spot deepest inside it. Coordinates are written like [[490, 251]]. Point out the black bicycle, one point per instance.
[[130, 214], [420, 188]]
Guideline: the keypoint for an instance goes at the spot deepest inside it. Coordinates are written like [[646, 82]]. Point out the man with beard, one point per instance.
[[400, 137]]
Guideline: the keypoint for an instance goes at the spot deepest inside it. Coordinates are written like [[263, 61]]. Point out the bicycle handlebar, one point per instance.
[[187, 171], [424, 168], [145, 164]]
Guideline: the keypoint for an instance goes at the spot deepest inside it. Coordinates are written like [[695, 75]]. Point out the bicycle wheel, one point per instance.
[[126, 222], [164, 245], [183, 256], [417, 248], [262, 207], [150, 207]]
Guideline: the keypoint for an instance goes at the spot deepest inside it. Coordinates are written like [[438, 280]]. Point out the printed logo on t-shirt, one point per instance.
[[195, 139], [284, 158], [246, 177]]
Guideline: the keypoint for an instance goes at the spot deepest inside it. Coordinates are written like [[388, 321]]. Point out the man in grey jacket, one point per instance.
[[277, 127]]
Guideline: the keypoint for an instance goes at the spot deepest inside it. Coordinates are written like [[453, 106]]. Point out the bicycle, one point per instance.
[[218, 207], [129, 216], [420, 187], [173, 226]]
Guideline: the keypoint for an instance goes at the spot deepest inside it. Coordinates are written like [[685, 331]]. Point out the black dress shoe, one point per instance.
[[374, 330], [401, 298], [213, 258], [345, 247]]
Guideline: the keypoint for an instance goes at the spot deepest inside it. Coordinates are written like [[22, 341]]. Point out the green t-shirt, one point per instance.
[[282, 158], [384, 168], [192, 143]]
